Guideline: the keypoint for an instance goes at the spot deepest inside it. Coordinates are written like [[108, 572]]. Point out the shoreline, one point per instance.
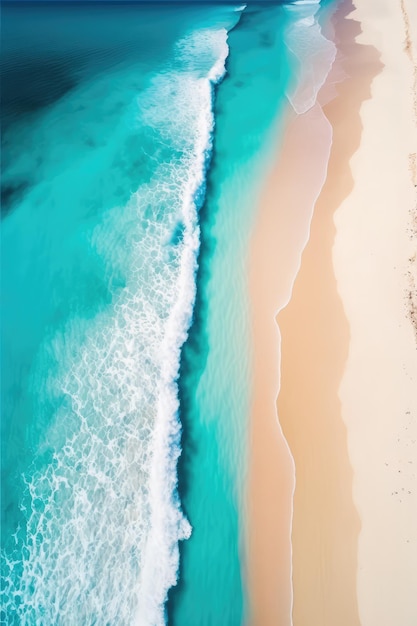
[[278, 240], [296, 547], [316, 337]]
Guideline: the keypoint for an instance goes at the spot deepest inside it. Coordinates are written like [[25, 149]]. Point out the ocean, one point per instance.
[[134, 142]]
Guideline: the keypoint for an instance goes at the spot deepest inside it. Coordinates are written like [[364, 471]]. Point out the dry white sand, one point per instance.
[[373, 256]]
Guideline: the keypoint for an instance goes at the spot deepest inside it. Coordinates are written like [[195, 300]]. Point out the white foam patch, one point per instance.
[[105, 520], [314, 54], [306, 2]]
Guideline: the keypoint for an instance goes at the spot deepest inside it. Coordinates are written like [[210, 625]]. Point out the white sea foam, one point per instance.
[[306, 2], [314, 53], [162, 482], [105, 519]]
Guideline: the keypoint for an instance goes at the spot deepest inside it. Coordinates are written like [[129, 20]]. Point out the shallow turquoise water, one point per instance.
[[130, 172], [215, 374]]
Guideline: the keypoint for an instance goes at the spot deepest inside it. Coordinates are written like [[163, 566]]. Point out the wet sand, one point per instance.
[[277, 245], [315, 348], [315, 340]]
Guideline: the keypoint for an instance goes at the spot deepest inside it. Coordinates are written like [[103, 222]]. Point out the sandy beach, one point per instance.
[[281, 237], [374, 262], [346, 538]]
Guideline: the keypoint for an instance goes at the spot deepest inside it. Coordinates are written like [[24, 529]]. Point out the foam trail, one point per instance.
[[167, 429]]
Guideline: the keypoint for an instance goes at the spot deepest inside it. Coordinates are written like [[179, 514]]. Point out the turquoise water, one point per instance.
[[215, 373], [134, 141]]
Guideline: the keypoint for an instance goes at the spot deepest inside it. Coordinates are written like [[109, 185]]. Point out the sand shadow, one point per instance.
[[315, 344]]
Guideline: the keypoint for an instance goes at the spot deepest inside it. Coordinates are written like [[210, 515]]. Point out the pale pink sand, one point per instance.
[[315, 348], [281, 233]]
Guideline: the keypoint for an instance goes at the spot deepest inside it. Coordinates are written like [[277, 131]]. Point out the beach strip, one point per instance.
[[277, 245], [374, 259], [325, 527], [315, 348], [282, 230]]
